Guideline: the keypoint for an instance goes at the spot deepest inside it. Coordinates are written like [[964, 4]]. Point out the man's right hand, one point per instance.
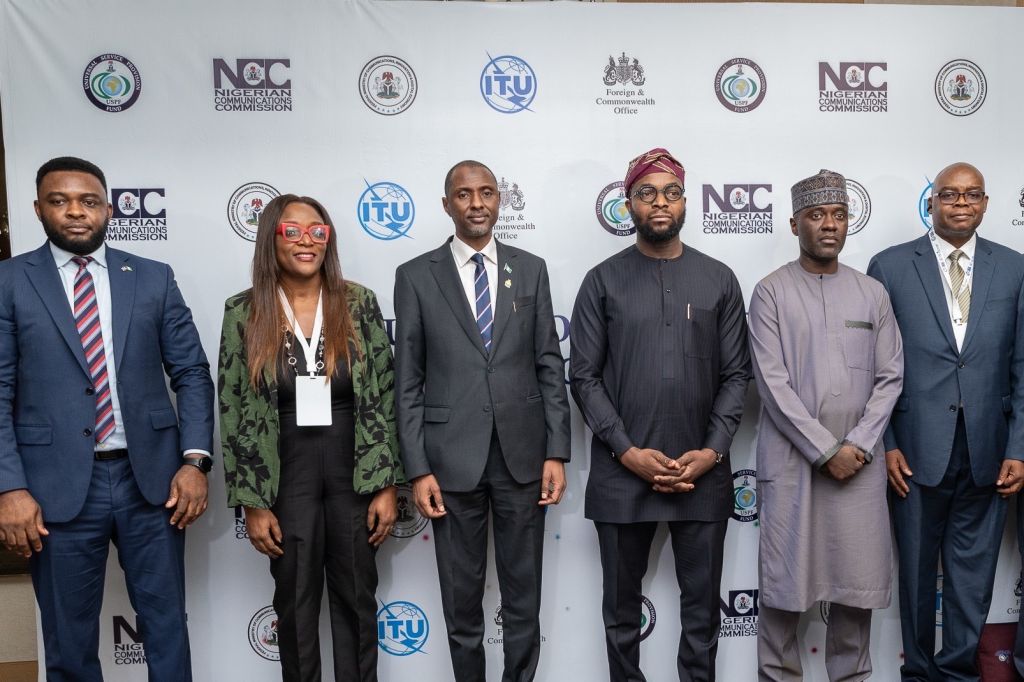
[[21, 523], [427, 494], [264, 531], [845, 463], [896, 468], [648, 463]]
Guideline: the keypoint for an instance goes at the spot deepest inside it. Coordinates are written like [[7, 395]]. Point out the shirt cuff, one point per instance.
[[829, 454], [204, 453]]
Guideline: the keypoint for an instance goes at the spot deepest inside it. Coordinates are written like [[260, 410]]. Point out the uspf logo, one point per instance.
[[740, 85], [138, 214], [508, 84], [744, 495], [252, 85], [410, 522], [263, 634], [612, 212], [387, 85], [859, 209], [245, 206], [241, 530], [128, 645], [648, 617], [623, 81], [960, 87], [402, 628], [739, 614], [511, 221], [112, 82], [853, 86], [922, 205], [385, 210], [738, 209]]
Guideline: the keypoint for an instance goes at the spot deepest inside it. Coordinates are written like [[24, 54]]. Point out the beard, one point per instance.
[[80, 247], [649, 235]]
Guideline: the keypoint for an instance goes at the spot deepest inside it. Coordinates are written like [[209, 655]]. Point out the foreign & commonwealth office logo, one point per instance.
[[960, 87], [648, 617], [402, 628], [922, 205], [512, 222], [386, 210], [508, 84], [387, 85], [740, 85], [1019, 222], [263, 634], [111, 82], [245, 206], [859, 209], [612, 212], [744, 495], [624, 72], [410, 522]]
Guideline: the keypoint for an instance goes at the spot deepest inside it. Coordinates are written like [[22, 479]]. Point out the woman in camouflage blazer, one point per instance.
[[290, 479]]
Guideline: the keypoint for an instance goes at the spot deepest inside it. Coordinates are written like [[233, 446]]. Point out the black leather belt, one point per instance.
[[107, 455]]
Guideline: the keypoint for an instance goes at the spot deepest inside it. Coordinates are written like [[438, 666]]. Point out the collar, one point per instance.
[[463, 252], [62, 257], [945, 248]]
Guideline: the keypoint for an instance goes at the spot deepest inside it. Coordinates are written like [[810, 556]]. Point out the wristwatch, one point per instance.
[[719, 456], [203, 463]]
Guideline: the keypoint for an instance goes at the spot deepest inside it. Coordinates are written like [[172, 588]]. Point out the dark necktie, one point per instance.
[[87, 321], [484, 317]]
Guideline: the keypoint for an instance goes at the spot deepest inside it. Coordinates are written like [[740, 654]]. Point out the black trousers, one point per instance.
[[698, 548], [460, 543], [965, 522], [324, 525]]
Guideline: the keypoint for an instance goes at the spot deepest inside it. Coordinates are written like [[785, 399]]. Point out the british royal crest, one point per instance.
[[511, 197], [623, 72]]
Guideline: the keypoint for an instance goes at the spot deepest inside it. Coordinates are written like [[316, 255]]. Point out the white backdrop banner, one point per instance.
[[200, 112]]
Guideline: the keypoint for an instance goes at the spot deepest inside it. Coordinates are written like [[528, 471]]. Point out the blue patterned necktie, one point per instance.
[[484, 318]]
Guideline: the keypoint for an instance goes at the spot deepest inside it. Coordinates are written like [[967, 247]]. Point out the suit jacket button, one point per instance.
[[86, 432], [490, 370], [952, 408], [90, 390], [487, 408], [962, 365]]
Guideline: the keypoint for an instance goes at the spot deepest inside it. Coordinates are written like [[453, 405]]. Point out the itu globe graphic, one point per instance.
[[386, 210], [402, 628]]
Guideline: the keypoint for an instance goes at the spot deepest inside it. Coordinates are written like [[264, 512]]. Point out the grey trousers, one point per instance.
[[847, 641]]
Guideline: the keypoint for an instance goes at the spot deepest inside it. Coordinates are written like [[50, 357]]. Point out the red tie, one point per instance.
[[87, 321]]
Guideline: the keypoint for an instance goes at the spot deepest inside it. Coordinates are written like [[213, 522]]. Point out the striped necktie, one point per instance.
[[484, 317], [961, 292], [87, 321]]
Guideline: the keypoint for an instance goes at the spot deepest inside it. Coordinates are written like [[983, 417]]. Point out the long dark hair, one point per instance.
[[264, 329]]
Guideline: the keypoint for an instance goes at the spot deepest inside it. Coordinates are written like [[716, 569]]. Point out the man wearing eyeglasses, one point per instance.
[[956, 437], [659, 368]]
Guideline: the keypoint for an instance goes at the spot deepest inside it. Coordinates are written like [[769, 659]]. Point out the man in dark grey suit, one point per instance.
[[483, 418], [956, 437], [659, 367]]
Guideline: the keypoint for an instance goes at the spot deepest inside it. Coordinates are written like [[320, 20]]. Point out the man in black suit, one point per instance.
[[483, 418], [659, 367]]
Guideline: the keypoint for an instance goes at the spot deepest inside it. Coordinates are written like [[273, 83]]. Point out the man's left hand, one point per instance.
[[692, 465], [188, 496], [552, 483], [1011, 477]]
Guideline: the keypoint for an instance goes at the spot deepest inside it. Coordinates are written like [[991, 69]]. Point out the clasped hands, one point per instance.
[[669, 475]]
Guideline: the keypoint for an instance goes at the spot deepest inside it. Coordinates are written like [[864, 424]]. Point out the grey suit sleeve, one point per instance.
[[1015, 439], [734, 371], [875, 270], [12, 473], [410, 372], [551, 372], [587, 356]]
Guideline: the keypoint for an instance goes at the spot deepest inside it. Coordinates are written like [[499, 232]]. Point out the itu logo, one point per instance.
[[859, 208], [960, 87], [112, 83], [612, 212], [245, 206], [385, 210], [402, 628], [740, 85], [922, 205], [744, 495], [648, 617], [263, 634], [508, 84]]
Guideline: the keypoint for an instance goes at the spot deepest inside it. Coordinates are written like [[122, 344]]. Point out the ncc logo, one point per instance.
[[508, 84], [128, 645], [265, 74], [138, 203], [738, 198], [853, 76], [386, 210]]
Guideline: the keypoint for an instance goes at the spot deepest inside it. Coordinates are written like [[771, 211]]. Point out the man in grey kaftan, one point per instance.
[[828, 362]]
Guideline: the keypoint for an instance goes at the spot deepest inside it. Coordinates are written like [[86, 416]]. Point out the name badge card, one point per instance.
[[312, 392]]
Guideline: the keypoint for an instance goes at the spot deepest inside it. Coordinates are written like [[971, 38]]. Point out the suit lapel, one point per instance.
[[931, 280], [122, 298], [443, 268], [506, 294], [44, 277], [981, 280]]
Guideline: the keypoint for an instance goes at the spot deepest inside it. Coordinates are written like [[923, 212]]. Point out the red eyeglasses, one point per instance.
[[293, 232]]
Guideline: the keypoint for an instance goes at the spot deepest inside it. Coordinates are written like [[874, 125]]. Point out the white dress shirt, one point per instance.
[[942, 251], [463, 254]]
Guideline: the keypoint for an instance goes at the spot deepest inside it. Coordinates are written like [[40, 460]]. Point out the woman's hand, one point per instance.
[[383, 512], [264, 531]]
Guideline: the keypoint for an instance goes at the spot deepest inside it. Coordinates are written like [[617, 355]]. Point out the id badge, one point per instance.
[[312, 401]]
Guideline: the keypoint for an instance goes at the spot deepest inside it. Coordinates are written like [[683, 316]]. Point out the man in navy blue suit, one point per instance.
[[956, 438], [91, 449]]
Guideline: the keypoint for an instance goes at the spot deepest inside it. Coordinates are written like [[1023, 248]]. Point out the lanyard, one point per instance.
[[944, 268], [308, 349]]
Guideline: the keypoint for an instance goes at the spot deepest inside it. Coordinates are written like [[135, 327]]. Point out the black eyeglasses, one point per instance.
[[648, 193], [948, 196]]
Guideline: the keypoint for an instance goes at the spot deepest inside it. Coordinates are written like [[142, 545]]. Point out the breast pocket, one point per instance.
[[700, 336], [859, 346]]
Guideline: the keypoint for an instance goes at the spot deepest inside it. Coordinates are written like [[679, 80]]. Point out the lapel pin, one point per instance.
[[126, 268], [508, 284], [508, 268]]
